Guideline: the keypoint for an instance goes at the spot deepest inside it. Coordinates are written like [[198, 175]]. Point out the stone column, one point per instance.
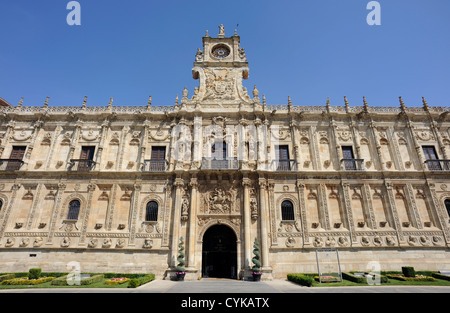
[[301, 200], [101, 144], [192, 222], [85, 217], [263, 214], [440, 211], [247, 222], [55, 212], [4, 214], [134, 208], [393, 210], [176, 220]]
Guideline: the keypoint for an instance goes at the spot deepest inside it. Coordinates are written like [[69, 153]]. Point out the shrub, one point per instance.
[[408, 271], [416, 278], [354, 278], [134, 283], [301, 279], [34, 273], [117, 281], [26, 281], [6, 277], [91, 280], [60, 281], [436, 275]]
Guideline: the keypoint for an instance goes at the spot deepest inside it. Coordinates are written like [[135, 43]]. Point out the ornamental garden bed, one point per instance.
[[117, 281], [87, 280], [391, 278]]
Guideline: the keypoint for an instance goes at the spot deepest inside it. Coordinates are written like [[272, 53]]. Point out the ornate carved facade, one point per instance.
[[114, 188]]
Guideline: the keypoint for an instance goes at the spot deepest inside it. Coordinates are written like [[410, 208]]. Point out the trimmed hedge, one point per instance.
[[362, 280], [136, 282], [408, 271], [301, 279], [6, 277], [26, 281], [34, 273], [62, 281], [441, 276], [116, 282], [353, 278], [403, 278]]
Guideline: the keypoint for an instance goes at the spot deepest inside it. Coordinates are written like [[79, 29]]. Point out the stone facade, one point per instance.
[[114, 188]]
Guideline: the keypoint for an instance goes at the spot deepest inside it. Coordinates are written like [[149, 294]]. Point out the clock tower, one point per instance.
[[220, 68]]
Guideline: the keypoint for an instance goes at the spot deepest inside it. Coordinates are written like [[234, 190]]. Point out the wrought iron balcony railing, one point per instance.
[[352, 164], [438, 165], [81, 165], [225, 164], [10, 164], [155, 166], [284, 165]]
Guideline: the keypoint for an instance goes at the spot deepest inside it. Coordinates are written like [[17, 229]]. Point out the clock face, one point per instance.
[[220, 51]]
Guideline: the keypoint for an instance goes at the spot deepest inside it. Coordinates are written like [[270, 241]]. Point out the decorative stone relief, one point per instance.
[[148, 244]]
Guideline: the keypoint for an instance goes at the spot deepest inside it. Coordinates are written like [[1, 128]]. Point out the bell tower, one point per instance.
[[220, 68]]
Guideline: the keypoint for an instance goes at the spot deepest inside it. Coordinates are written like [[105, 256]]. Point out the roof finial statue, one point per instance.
[[84, 102], [20, 103], [347, 106], [149, 103], [46, 102], [185, 93], [221, 31], [402, 104], [366, 106], [176, 101], [110, 102], [425, 104]]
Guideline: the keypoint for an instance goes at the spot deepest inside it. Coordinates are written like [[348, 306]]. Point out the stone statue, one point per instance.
[[221, 30]]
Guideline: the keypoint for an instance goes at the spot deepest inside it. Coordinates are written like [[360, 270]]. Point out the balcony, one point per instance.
[[10, 164], [155, 166], [438, 165], [284, 165], [81, 165], [352, 164], [213, 164]]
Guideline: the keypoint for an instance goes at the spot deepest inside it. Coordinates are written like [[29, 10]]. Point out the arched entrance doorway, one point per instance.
[[219, 252]]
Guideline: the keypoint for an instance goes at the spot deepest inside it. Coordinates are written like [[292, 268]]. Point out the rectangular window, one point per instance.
[[86, 158], [16, 157], [282, 157], [158, 153], [432, 158], [158, 161], [349, 158]]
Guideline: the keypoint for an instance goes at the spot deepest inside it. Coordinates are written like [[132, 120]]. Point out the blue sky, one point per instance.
[[308, 49]]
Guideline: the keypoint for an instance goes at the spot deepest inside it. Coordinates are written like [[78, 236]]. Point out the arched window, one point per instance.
[[74, 210], [1, 205], [287, 211], [447, 206], [151, 212]]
